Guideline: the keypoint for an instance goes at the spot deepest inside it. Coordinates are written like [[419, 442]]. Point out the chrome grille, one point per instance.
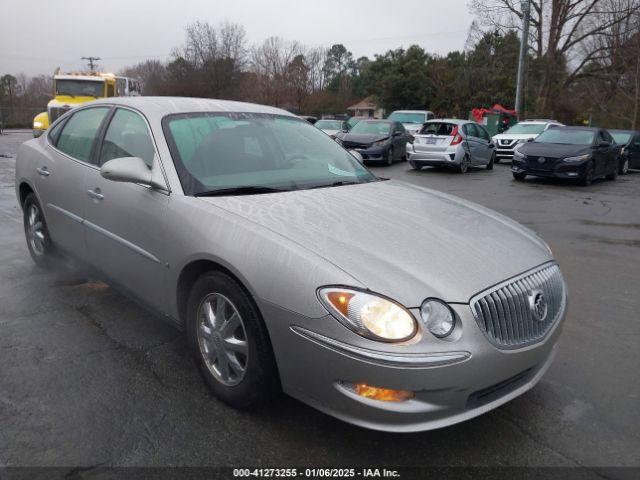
[[505, 315]]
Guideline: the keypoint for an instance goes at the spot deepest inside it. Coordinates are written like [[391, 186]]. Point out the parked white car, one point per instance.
[[412, 120], [521, 132]]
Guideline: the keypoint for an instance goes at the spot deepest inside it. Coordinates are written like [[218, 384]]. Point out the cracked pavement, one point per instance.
[[89, 378]]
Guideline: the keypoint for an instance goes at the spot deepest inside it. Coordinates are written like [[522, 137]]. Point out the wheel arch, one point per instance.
[[191, 271], [24, 189]]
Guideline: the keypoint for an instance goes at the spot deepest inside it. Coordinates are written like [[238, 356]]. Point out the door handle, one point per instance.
[[95, 194], [44, 172]]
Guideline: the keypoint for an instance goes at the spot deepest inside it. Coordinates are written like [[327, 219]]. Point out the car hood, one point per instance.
[[515, 136], [412, 127], [556, 150], [330, 132], [398, 239], [363, 137]]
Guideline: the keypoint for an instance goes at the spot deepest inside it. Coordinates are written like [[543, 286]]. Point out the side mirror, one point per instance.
[[357, 155], [397, 134], [603, 145], [130, 170]]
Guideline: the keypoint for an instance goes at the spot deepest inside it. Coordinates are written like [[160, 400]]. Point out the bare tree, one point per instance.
[[560, 31]]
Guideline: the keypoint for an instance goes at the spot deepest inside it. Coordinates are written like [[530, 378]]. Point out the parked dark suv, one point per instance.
[[629, 140], [583, 153]]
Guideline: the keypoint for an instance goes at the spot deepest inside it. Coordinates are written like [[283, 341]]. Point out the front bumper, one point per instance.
[[373, 153], [453, 379], [559, 169]]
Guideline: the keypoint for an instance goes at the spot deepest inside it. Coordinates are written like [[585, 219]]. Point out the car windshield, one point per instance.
[[438, 128], [329, 124], [621, 138], [372, 127], [256, 153], [566, 136], [80, 88], [527, 128], [406, 117]]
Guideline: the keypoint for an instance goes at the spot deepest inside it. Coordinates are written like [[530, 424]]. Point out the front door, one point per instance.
[[126, 222], [61, 178]]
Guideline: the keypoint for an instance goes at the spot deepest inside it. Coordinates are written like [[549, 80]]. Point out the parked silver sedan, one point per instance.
[[290, 265], [458, 144]]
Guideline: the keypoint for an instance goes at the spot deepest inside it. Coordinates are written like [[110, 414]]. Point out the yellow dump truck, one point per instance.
[[73, 89]]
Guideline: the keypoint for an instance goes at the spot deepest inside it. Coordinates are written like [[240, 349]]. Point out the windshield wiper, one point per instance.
[[339, 183], [242, 190]]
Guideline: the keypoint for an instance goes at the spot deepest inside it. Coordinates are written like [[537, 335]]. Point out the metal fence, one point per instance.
[[18, 116]]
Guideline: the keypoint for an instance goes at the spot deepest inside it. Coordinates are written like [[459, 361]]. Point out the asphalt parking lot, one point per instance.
[[88, 378]]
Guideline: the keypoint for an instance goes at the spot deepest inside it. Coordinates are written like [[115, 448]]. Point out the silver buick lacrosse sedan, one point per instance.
[[292, 267]]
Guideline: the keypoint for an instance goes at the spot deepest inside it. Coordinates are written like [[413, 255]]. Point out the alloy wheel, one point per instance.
[[35, 230], [625, 167], [222, 339]]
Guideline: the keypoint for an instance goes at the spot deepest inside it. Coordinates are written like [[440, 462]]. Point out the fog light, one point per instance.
[[382, 394], [438, 317]]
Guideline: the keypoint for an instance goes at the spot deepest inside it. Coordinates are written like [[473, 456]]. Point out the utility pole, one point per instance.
[[92, 61], [526, 10]]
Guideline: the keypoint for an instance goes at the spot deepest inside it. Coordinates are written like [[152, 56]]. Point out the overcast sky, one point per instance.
[[37, 36]]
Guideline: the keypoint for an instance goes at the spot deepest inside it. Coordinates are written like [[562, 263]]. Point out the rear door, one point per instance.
[[126, 222], [61, 178], [476, 148], [486, 144]]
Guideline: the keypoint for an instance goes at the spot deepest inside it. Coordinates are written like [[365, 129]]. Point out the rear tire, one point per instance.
[[614, 174], [519, 176], [414, 166], [492, 161], [236, 362], [464, 165], [36, 233]]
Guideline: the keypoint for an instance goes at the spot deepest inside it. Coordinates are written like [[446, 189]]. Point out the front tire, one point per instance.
[[614, 174], [492, 161], [229, 341], [624, 166], [519, 176], [587, 178], [36, 232], [390, 157]]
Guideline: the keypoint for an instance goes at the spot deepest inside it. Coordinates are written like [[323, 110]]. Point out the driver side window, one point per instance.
[[127, 136]]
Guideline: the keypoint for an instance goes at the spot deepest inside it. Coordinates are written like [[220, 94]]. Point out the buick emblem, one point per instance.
[[541, 159], [538, 305]]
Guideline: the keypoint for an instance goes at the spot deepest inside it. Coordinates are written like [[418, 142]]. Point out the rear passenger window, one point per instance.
[[470, 130], [79, 132], [127, 136]]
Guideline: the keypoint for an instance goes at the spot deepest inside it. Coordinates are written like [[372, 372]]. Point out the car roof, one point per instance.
[[538, 120], [456, 121], [630, 132], [412, 111], [576, 127], [371, 120], [167, 105]]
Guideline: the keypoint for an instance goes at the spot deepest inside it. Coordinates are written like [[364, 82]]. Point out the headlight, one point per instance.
[[579, 158], [368, 314], [381, 143], [37, 124], [519, 154], [438, 317], [338, 141]]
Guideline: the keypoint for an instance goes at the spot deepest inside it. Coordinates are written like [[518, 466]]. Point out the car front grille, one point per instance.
[[507, 142], [355, 145], [507, 313]]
